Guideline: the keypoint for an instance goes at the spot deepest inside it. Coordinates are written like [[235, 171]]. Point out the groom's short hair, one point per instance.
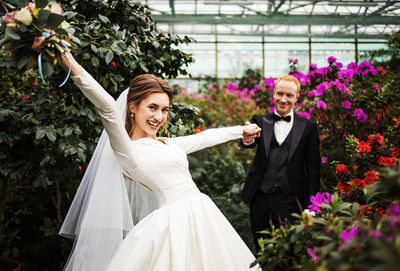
[[289, 78]]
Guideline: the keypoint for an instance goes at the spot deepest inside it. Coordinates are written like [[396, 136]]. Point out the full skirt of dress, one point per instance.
[[188, 235]]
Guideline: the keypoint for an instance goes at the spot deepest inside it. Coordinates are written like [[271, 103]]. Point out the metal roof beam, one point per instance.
[[279, 19]]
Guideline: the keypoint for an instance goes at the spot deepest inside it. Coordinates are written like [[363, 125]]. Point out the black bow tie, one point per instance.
[[275, 117]]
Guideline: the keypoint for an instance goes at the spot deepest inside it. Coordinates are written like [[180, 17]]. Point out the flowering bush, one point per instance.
[[20, 28], [339, 237], [365, 159]]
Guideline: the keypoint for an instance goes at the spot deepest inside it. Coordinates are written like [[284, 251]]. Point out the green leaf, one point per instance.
[[48, 69], [104, 19], [22, 61], [109, 56], [41, 180], [54, 20], [40, 133], [122, 45], [45, 161], [22, 28], [144, 68], [61, 31], [95, 61], [51, 135], [4, 40], [300, 228], [159, 63], [43, 15], [41, 3], [68, 131], [10, 32]]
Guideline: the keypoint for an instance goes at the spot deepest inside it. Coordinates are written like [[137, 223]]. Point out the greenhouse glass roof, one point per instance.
[[318, 19]]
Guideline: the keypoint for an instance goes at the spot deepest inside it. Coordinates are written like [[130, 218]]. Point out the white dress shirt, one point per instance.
[[282, 128]]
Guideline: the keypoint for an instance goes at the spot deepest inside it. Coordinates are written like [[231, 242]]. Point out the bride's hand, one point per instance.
[[251, 131], [67, 58]]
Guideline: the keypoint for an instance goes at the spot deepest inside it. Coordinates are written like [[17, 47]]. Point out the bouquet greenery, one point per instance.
[[19, 29]]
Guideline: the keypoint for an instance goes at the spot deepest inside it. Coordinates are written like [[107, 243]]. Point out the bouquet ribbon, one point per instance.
[[46, 35]]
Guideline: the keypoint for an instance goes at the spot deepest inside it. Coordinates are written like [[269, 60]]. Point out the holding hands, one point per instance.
[[250, 132]]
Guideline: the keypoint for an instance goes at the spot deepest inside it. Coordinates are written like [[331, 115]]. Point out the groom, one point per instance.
[[286, 168]]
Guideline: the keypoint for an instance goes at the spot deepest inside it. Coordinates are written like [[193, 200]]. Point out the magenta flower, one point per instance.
[[352, 65], [324, 160], [331, 59], [321, 104], [360, 115], [347, 236], [339, 65], [318, 200], [304, 115], [346, 104], [272, 109], [395, 215], [376, 87], [376, 233], [311, 253]]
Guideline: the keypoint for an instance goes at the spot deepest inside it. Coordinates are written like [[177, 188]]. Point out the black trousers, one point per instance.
[[275, 207]]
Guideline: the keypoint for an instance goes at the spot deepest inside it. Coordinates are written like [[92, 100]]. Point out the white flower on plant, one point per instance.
[[308, 212], [56, 8], [24, 16], [65, 25]]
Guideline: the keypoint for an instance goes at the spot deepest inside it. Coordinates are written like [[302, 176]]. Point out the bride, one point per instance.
[[137, 207]]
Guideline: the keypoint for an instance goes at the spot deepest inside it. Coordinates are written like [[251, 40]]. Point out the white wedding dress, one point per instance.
[[187, 232]]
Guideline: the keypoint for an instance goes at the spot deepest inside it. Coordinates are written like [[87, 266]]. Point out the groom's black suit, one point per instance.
[[282, 176]]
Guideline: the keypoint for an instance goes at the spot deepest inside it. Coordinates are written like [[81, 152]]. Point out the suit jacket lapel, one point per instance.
[[299, 125], [268, 131]]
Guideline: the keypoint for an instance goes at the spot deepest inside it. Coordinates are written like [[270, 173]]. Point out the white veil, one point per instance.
[[105, 207]]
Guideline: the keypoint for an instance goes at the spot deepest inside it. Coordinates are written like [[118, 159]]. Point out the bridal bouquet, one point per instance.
[[20, 28]]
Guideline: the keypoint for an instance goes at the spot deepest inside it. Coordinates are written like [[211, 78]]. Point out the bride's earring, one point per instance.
[[132, 115]]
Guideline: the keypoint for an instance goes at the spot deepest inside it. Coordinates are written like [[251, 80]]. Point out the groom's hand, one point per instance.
[[250, 131]]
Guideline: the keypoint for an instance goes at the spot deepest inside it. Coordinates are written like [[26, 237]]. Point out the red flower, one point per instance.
[[358, 182], [397, 122], [342, 169], [354, 168], [344, 187], [364, 209], [249, 79], [381, 212], [370, 177], [25, 99], [197, 130], [35, 83], [395, 152], [378, 138], [163, 34], [386, 161], [113, 63], [363, 147]]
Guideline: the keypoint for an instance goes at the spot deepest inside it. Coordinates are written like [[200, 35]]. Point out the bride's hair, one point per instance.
[[142, 86]]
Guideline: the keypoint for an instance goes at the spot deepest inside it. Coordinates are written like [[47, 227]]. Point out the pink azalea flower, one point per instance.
[[346, 104], [321, 104], [324, 160], [347, 236], [311, 253]]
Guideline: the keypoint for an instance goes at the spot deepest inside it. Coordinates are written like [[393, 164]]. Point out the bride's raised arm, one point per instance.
[[109, 113]]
